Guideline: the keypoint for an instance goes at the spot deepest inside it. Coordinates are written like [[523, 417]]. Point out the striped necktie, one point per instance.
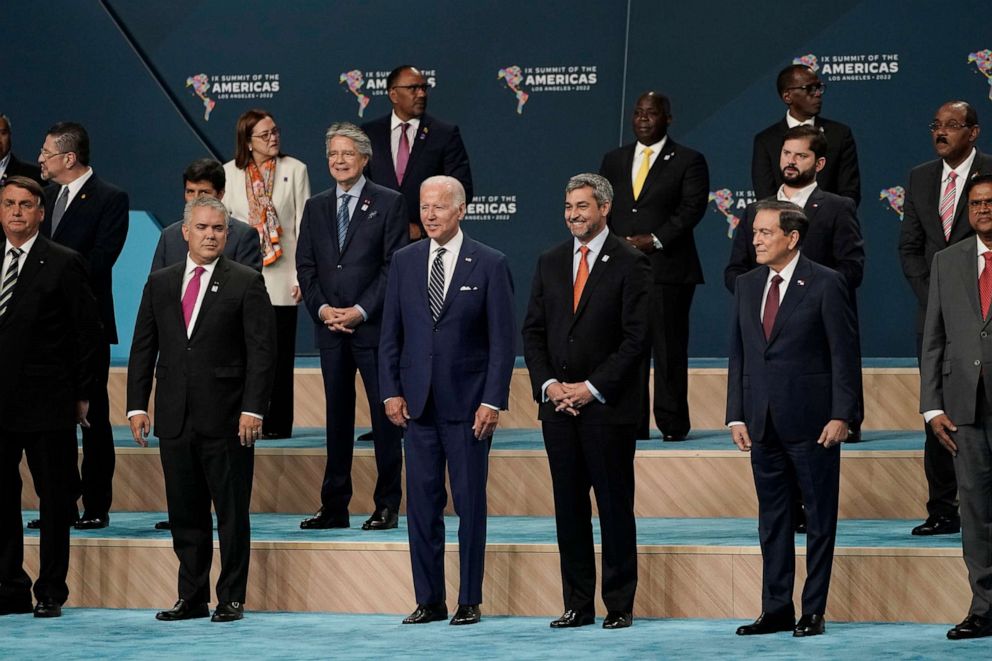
[[343, 219], [435, 288], [9, 280], [947, 205]]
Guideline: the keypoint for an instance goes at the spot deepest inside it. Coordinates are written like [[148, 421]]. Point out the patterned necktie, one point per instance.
[[192, 291], [771, 306], [947, 205], [985, 285], [343, 219], [581, 276], [435, 288], [9, 280], [402, 153], [59, 211], [642, 173]]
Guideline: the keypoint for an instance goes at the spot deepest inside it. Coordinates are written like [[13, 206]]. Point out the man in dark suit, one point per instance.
[[802, 92], [49, 333], [584, 340], [209, 326], [408, 145], [347, 238], [10, 165], [205, 176], [791, 389], [85, 213], [445, 358], [955, 390], [660, 194]]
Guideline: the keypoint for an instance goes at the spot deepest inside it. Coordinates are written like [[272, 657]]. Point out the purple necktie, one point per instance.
[[771, 306], [192, 292], [402, 153]]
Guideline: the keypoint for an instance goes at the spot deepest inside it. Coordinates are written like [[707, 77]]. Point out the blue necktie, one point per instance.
[[343, 219]]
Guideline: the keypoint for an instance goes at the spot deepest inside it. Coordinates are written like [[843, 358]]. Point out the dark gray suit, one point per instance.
[[242, 245]]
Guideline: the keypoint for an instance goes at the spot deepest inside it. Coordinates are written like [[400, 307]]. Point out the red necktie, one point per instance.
[[947, 205], [192, 291], [985, 285], [580, 278], [402, 153], [771, 306]]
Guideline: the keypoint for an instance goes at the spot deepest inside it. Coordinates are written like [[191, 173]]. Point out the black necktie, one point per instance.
[[9, 280]]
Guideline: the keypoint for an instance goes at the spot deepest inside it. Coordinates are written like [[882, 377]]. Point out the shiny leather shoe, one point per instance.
[[384, 519], [48, 608], [467, 614], [163, 525], [570, 619], [229, 611], [809, 625], [367, 437], [427, 613], [322, 521], [768, 623], [938, 525], [973, 626], [88, 522], [673, 438], [617, 620], [183, 610], [34, 524]]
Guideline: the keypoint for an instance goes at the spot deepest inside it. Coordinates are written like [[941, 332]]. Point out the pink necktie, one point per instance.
[[192, 291], [402, 153], [985, 285], [771, 306], [947, 205]]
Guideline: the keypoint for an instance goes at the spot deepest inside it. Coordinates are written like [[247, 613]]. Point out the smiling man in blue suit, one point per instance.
[[445, 358]]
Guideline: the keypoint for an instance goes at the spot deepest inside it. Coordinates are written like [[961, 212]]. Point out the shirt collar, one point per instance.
[[595, 244], [655, 148], [26, 248], [355, 191], [962, 169], [786, 272], [801, 196], [396, 121], [5, 161], [454, 246], [982, 248], [207, 268], [793, 122]]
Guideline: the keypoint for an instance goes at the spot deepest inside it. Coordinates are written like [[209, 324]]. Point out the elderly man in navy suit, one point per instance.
[[445, 358], [791, 393], [347, 238]]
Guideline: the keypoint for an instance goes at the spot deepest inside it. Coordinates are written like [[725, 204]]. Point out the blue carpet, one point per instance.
[[724, 532], [135, 634]]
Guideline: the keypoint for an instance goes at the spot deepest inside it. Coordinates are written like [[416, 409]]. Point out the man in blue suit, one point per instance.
[[347, 238], [445, 358], [791, 392]]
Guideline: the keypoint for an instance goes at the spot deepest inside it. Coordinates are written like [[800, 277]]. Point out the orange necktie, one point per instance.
[[580, 278]]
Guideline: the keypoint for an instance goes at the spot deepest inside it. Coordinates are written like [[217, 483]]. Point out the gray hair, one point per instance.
[[601, 188], [352, 132], [208, 202], [791, 217], [454, 187], [10, 127]]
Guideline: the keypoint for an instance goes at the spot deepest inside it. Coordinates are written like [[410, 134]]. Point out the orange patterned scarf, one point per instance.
[[261, 212]]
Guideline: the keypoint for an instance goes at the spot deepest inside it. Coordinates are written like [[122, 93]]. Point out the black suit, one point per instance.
[[603, 341], [436, 149], [343, 276], [49, 337], [672, 202], [203, 384], [95, 225], [840, 175], [920, 238], [17, 167], [242, 245]]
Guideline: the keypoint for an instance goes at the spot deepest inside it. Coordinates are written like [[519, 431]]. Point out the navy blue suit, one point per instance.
[[446, 370], [786, 389], [343, 276]]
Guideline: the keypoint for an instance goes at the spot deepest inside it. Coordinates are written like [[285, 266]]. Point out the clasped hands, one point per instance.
[[341, 320], [568, 397]]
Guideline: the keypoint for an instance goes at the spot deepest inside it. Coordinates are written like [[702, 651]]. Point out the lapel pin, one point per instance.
[[365, 206], [669, 155], [801, 283], [83, 196], [468, 259], [605, 258]]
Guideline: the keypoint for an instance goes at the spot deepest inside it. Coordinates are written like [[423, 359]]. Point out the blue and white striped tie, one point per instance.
[[435, 289]]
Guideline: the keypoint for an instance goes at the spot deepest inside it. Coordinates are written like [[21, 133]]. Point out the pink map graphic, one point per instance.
[[895, 197], [983, 60], [724, 204], [513, 77], [355, 81], [809, 60], [201, 85]]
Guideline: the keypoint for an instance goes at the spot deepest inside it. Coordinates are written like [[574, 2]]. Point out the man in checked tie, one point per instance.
[[791, 391], [935, 218], [445, 358], [956, 389], [206, 331]]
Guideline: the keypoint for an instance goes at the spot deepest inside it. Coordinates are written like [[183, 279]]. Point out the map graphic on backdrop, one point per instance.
[[246, 86], [525, 81], [894, 198], [728, 201], [201, 86], [354, 80], [368, 84], [983, 63]]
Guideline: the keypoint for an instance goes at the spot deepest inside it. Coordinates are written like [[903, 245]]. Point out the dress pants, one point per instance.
[[99, 456], [51, 459], [778, 465], [201, 470], [338, 365], [938, 466], [430, 443], [669, 316], [600, 456], [279, 419]]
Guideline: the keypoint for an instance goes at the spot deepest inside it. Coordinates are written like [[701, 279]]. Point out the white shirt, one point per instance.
[[800, 198], [4, 162], [354, 194], [449, 259], [394, 133], [639, 156], [8, 258], [961, 171], [74, 186], [793, 122]]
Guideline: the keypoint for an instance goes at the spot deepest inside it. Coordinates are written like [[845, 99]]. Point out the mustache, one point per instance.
[[942, 139]]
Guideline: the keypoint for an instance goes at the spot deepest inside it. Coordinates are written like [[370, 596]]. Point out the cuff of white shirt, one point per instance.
[[544, 389], [657, 243], [930, 415], [595, 393], [734, 423], [365, 315], [490, 406], [131, 414], [254, 415]]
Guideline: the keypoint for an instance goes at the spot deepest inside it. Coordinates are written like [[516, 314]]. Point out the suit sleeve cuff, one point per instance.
[[365, 315], [544, 389], [595, 393], [490, 406], [734, 423], [931, 414], [253, 415], [131, 414]]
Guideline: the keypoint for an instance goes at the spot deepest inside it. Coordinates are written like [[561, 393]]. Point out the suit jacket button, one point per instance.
[[984, 334], [978, 363], [339, 266], [633, 210]]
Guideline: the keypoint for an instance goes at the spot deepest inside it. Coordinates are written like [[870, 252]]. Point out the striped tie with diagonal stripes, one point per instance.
[[435, 288], [9, 280], [947, 205]]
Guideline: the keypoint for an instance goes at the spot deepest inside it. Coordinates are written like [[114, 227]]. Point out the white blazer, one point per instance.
[[290, 191]]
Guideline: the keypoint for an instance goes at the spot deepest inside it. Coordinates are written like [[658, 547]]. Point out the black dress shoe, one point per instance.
[[48, 608], [276, 435], [322, 521], [88, 522], [617, 620], [163, 525], [427, 613], [34, 524], [14, 606], [673, 438], [570, 619], [938, 525], [973, 626], [384, 519], [467, 614], [183, 610], [367, 437], [768, 623], [809, 625], [228, 611]]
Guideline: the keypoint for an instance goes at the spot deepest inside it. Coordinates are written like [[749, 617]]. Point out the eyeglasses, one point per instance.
[[422, 87], [45, 154], [980, 204], [812, 89], [346, 155], [935, 126], [23, 205], [265, 135]]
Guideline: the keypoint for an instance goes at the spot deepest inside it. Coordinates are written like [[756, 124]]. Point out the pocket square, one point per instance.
[[468, 288]]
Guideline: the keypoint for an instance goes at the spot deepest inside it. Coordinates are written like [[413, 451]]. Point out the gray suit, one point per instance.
[[956, 377], [242, 246]]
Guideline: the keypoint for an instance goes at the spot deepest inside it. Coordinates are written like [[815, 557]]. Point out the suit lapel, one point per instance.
[[961, 226], [464, 265], [419, 140], [76, 206], [752, 300], [421, 257], [967, 267], [596, 274], [812, 207], [34, 263], [794, 295], [214, 284], [379, 134], [365, 206], [668, 152]]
